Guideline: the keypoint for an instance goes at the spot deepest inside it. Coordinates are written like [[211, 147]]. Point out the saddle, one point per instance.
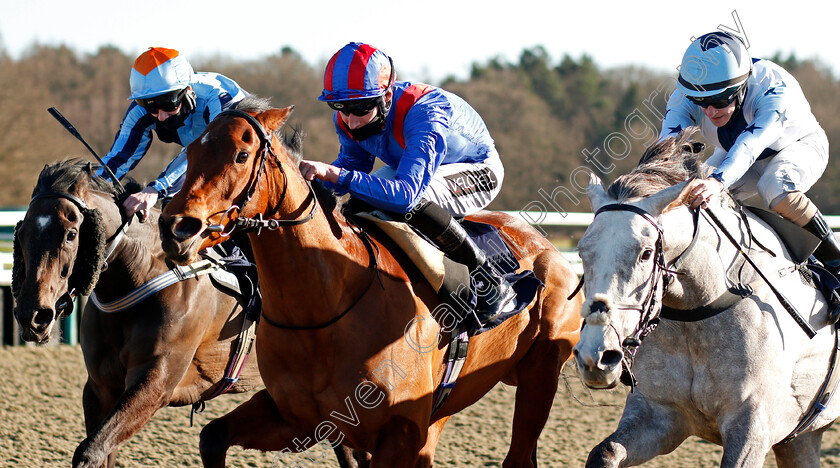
[[801, 244], [430, 261]]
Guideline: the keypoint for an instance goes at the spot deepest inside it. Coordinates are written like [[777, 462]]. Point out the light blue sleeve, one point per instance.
[[131, 142], [172, 178], [680, 113]]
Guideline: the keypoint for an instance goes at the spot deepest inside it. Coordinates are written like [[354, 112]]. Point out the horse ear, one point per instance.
[[596, 192], [666, 199], [273, 119]]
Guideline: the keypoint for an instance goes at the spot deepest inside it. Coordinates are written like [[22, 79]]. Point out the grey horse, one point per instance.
[[742, 377]]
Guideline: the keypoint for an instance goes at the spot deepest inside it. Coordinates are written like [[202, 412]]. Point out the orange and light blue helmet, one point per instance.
[[158, 71], [357, 71], [715, 64]]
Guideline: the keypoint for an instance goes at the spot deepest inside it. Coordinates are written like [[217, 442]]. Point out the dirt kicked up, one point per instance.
[[41, 423]]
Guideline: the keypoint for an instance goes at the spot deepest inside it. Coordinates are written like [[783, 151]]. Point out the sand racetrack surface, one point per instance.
[[41, 423]]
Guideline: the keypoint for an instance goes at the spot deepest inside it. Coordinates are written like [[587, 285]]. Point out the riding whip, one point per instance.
[[806, 327], [70, 128]]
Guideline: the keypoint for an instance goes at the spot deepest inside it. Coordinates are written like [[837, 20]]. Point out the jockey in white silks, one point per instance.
[[766, 139]]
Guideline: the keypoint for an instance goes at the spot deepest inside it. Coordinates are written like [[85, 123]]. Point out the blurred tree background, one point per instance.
[[550, 118]]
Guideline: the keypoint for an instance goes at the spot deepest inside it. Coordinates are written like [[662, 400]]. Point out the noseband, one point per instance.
[[650, 308], [258, 223]]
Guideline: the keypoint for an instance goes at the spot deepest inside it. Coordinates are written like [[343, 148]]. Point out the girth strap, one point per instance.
[[156, 284]]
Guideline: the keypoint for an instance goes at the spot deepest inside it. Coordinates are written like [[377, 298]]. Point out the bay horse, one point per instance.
[[348, 350], [727, 362], [169, 349]]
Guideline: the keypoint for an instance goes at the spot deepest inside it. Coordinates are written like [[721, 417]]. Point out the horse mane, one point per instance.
[[664, 164], [63, 175], [292, 142]]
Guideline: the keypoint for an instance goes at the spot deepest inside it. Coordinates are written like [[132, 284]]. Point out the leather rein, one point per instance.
[[258, 223]]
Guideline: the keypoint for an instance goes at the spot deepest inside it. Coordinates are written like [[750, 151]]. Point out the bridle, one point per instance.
[[64, 304], [258, 223], [649, 309]]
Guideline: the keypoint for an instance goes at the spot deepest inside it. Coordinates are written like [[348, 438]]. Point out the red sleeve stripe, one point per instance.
[[409, 97]]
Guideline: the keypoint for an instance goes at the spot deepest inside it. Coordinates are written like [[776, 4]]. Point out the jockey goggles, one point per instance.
[[167, 102], [718, 101], [357, 107]]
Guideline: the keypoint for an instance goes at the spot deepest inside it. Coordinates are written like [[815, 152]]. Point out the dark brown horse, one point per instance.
[[170, 349], [348, 350]]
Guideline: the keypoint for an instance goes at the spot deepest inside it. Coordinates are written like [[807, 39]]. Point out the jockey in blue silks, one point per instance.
[[175, 102], [439, 158], [766, 139]]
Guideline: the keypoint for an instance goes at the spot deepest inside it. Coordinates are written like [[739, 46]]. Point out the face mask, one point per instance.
[[376, 125], [187, 108]]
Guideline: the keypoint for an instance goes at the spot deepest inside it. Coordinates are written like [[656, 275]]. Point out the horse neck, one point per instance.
[[707, 268], [133, 260], [322, 255]]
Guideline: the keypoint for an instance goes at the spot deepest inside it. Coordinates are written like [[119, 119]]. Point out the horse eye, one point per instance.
[[242, 156], [646, 255], [71, 236]]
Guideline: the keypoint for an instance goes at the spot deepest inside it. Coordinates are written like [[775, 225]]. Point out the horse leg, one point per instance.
[[645, 431], [537, 376], [96, 403], [427, 453], [255, 424], [349, 458], [131, 412], [801, 452], [745, 440], [398, 444]]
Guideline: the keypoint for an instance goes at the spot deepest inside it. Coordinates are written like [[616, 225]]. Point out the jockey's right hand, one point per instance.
[[700, 191], [312, 170], [140, 202]]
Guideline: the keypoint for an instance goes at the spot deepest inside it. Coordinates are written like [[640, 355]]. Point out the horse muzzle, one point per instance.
[[599, 357], [180, 237], [36, 323]]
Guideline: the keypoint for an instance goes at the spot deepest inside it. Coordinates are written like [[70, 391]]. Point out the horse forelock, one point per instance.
[[663, 165]]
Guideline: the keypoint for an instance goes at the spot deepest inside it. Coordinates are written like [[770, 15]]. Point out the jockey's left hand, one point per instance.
[[312, 170], [702, 190], [140, 202]]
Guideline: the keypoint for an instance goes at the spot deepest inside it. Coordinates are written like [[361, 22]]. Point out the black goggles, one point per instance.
[[718, 101], [357, 107], [167, 102]]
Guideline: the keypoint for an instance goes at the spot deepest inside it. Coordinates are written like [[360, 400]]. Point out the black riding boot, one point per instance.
[[494, 292], [828, 253]]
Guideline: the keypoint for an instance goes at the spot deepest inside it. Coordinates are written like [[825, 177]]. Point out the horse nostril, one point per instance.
[[611, 358], [42, 317], [598, 306], [185, 227]]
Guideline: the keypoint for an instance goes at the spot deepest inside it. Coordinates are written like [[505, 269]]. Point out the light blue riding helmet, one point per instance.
[[715, 63], [158, 71]]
